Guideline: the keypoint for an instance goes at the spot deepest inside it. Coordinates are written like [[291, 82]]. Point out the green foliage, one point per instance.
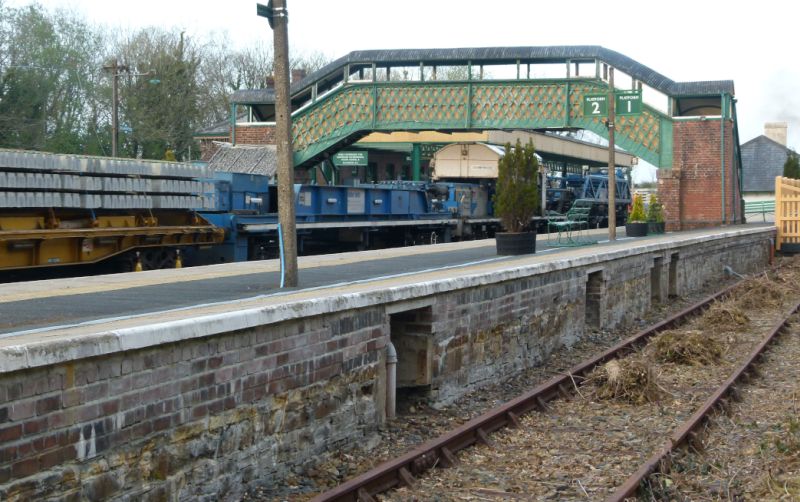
[[791, 168], [48, 80], [517, 197], [54, 95], [655, 211], [637, 214]]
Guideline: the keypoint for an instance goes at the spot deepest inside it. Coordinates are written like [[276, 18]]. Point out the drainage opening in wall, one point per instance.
[[594, 294], [673, 275], [412, 336], [655, 280]]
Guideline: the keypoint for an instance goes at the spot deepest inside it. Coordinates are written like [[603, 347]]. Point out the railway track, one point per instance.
[[540, 447]]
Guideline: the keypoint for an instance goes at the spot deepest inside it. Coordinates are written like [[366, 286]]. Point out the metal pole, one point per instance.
[[416, 161], [612, 179], [283, 134], [391, 380]]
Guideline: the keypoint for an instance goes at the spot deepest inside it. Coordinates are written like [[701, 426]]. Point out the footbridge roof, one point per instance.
[[332, 73]]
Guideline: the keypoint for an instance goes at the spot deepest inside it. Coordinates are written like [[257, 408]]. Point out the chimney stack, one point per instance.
[[298, 74], [270, 81], [776, 131]]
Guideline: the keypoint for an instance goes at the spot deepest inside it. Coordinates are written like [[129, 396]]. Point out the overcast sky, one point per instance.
[[684, 40]]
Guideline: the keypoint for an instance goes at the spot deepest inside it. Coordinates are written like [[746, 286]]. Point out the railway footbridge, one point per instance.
[[688, 130]]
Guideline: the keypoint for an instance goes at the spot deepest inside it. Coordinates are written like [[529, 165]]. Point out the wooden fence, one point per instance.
[[787, 211]]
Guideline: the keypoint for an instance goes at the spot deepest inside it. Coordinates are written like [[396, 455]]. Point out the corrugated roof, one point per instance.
[[247, 159], [493, 55]]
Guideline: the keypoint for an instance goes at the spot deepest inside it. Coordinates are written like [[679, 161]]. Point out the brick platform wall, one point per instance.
[[196, 420], [692, 190], [207, 418]]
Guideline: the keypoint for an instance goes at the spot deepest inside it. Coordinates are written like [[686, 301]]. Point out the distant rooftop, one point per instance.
[[247, 159]]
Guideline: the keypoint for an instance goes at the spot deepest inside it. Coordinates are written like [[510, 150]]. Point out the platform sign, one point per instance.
[[628, 102], [350, 159], [595, 105]]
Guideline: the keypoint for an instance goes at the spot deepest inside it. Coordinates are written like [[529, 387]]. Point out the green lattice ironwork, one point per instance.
[[361, 108]]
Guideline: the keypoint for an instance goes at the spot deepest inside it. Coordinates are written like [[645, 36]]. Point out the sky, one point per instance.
[[683, 40]]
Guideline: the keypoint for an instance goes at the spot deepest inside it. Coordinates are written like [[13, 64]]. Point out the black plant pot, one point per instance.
[[636, 229], [654, 227], [516, 243]]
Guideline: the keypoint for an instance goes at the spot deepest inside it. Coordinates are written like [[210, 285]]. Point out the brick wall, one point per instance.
[[692, 190], [196, 420], [255, 134]]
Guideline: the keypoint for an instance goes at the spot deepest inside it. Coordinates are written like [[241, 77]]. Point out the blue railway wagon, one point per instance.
[[328, 218]]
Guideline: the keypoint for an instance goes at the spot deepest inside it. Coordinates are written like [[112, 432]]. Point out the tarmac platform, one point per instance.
[[47, 310], [64, 303]]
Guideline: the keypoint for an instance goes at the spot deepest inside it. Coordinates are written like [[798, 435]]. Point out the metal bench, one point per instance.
[[762, 207], [572, 231]]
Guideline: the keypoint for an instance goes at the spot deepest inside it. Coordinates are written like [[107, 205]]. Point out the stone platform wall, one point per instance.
[[203, 413]]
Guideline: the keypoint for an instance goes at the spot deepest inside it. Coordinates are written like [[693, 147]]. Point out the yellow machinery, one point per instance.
[[58, 210], [30, 239]]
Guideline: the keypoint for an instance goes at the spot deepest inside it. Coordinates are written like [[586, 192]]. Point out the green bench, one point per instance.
[[762, 207], [572, 231]]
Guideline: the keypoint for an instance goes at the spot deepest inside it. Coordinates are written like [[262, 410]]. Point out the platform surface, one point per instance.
[[59, 305]]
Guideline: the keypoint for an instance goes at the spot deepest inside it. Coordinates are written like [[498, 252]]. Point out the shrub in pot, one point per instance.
[[517, 199], [636, 224], [655, 216]]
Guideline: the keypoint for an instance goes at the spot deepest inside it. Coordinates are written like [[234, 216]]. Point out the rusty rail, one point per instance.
[[441, 450], [685, 432]]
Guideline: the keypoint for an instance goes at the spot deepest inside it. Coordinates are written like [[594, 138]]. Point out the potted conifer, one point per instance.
[[517, 199], [636, 224], [655, 216]]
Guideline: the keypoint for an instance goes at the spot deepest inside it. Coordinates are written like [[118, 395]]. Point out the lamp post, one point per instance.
[[276, 13], [115, 68]]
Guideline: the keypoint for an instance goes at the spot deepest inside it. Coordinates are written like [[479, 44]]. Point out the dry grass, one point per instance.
[[724, 316], [761, 292], [781, 480], [685, 347], [788, 270], [629, 380]]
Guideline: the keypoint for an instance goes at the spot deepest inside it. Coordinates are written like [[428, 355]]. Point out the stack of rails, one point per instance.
[[70, 209]]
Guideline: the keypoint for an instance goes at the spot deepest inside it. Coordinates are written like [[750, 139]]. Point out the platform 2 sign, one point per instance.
[[350, 159], [595, 105], [625, 103]]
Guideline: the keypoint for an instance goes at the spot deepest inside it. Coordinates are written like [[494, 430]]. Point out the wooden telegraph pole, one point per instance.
[[277, 15], [115, 68], [612, 178]]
